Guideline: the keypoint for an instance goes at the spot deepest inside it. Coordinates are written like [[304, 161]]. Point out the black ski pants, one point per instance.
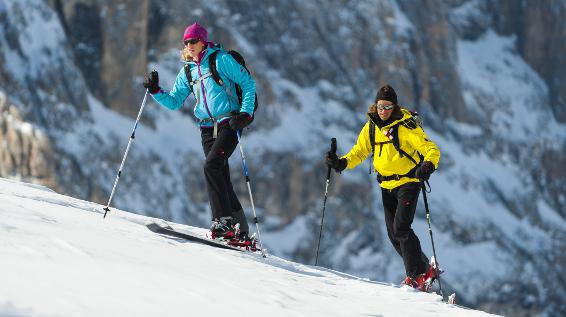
[[221, 195], [400, 205]]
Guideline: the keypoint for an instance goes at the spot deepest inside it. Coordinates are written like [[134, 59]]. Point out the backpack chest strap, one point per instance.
[[198, 80], [381, 145], [195, 82]]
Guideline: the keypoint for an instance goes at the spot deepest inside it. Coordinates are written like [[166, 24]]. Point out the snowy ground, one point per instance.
[[58, 257]]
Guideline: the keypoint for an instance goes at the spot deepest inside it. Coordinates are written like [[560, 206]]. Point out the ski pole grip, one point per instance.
[[333, 145], [333, 151]]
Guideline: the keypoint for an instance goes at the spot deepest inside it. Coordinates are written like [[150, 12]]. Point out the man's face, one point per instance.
[[384, 109]]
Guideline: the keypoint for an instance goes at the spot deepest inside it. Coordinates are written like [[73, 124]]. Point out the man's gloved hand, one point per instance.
[[240, 121], [424, 170], [151, 82], [334, 162]]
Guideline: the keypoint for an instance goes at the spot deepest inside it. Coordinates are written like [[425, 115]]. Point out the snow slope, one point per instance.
[[60, 258]]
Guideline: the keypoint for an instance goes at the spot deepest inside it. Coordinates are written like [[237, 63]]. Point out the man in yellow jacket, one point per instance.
[[403, 158]]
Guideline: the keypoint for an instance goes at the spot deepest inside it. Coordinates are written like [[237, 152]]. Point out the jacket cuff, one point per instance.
[[342, 164], [156, 91]]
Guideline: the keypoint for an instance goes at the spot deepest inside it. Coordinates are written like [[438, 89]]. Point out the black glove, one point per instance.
[[240, 121], [151, 82], [334, 162], [424, 170]]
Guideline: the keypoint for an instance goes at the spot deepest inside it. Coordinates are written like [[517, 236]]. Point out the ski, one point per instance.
[[170, 232]]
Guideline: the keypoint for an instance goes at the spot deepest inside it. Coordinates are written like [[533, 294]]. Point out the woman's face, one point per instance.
[[384, 109], [194, 46]]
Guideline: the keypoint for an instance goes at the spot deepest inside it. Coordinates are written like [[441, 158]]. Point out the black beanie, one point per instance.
[[386, 93]]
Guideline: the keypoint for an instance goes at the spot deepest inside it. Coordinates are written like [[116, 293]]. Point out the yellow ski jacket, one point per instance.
[[387, 159]]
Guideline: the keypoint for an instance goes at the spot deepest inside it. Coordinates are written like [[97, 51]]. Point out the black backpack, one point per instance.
[[214, 74]]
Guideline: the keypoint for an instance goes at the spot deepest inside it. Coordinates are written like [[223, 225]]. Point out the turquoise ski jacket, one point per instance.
[[212, 100]]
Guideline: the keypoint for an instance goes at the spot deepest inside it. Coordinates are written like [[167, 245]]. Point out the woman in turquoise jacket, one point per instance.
[[221, 115]]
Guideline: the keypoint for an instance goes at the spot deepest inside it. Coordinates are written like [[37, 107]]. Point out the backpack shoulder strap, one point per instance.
[[407, 155], [189, 76], [411, 124], [212, 67], [239, 58], [371, 142], [372, 136], [394, 130]]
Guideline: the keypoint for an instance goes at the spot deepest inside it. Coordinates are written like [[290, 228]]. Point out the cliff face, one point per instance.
[[26, 150], [111, 44], [485, 75]]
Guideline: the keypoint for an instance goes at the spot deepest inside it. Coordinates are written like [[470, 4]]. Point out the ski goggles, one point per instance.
[[384, 107], [191, 41]]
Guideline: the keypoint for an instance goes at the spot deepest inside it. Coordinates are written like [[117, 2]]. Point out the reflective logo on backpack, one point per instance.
[[389, 133]]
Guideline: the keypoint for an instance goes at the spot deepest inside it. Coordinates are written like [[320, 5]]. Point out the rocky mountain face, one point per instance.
[[26, 151], [487, 76]]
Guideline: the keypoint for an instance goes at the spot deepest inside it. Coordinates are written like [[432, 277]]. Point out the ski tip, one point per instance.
[[153, 226]]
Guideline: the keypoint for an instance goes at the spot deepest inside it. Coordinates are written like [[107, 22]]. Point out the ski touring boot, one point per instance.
[[223, 229], [409, 281], [424, 281]]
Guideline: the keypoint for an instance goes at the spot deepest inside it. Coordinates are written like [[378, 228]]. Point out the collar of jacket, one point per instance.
[[398, 115]]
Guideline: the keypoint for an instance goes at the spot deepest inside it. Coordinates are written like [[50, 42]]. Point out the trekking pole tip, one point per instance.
[[106, 210]]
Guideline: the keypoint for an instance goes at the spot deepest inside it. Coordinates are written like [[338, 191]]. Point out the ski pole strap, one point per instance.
[[426, 183], [215, 121]]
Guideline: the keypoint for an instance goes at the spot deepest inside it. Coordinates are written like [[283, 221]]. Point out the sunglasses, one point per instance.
[[191, 41], [384, 107]]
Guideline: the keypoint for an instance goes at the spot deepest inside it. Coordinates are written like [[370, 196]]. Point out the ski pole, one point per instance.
[[332, 150], [132, 137], [246, 174], [430, 232]]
